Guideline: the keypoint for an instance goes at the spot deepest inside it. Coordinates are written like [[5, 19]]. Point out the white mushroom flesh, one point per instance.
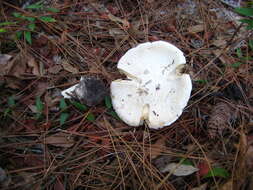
[[154, 91], [68, 93]]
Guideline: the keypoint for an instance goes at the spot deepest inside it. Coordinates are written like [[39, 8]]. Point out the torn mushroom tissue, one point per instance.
[[155, 90], [90, 91]]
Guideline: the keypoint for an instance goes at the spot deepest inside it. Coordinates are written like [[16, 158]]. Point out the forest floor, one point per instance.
[[47, 142]]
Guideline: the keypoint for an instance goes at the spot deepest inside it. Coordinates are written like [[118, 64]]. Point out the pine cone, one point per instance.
[[220, 119]]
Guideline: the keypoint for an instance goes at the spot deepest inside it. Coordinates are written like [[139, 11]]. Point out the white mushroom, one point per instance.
[[155, 91]]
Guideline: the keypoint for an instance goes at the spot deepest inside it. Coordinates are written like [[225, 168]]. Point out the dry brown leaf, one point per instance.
[[244, 68], [3, 175], [116, 32], [58, 185], [249, 183], [4, 60], [224, 58], [40, 88], [221, 43], [60, 139], [55, 69], [196, 28], [17, 66], [27, 177], [201, 187], [162, 161], [157, 148], [33, 108], [251, 92], [249, 157], [69, 67], [150, 1], [34, 65], [64, 37], [179, 169], [14, 83], [5, 180], [244, 163], [227, 186], [125, 23]]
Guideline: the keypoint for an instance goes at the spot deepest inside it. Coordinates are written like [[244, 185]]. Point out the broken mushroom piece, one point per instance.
[[155, 90], [90, 91]]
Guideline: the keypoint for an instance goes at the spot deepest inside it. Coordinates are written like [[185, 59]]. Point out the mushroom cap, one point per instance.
[[155, 91]]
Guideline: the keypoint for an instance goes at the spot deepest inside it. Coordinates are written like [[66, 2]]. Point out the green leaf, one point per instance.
[[249, 22], [34, 7], [2, 30], [249, 27], [79, 106], [202, 81], [28, 36], [246, 21], [245, 11], [236, 65], [19, 34], [31, 26], [217, 172], [17, 15], [186, 162], [11, 101], [47, 19], [39, 105], [108, 102], [63, 105], [239, 52], [246, 58], [114, 114], [251, 44], [54, 10], [7, 111], [37, 5], [63, 117], [31, 19], [38, 116], [90, 117], [7, 23]]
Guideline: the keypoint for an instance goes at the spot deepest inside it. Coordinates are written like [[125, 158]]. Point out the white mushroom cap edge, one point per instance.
[[154, 91]]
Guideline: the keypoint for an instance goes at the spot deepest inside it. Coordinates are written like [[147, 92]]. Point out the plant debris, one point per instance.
[[60, 139], [5, 180], [179, 169], [48, 142]]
